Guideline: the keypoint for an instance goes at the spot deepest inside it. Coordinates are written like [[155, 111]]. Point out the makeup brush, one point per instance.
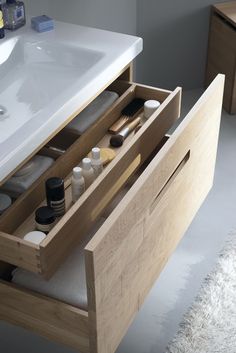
[[117, 140], [127, 115]]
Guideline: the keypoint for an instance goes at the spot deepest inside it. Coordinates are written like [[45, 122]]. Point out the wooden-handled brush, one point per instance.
[[127, 115], [117, 140]]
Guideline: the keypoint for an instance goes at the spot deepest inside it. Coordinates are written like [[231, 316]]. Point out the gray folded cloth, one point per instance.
[[92, 112], [68, 284], [18, 184]]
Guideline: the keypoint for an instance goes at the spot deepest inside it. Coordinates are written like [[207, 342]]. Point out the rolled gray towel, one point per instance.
[[92, 112]]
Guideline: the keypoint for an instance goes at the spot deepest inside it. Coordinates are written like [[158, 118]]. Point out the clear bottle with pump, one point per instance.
[[13, 14], [96, 161], [88, 172], [77, 184]]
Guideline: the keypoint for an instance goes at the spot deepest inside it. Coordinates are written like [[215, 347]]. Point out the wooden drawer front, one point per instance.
[[222, 57], [74, 225], [129, 251], [50, 318]]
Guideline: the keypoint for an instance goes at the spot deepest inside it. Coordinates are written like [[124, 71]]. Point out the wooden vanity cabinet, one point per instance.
[[126, 255]]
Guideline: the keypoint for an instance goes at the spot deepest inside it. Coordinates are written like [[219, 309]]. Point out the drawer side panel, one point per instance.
[[50, 318]]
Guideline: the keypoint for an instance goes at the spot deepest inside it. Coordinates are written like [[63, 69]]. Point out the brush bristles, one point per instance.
[[116, 141]]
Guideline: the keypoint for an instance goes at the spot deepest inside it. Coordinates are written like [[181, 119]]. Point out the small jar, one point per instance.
[[55, 194], [44, 219], [35, 237]]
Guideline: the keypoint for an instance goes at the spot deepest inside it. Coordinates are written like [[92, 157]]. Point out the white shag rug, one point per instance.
[[210, 324]]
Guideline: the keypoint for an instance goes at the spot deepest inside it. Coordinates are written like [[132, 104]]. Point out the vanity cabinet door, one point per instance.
[[129, 251]]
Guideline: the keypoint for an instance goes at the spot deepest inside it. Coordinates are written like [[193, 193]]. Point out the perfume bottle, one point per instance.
[[13, 14]]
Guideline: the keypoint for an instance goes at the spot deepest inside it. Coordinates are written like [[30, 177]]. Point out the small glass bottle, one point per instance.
[[13, 14], [96, 161]]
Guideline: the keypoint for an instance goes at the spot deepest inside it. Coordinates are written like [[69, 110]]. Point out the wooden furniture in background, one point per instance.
[[222, 50]]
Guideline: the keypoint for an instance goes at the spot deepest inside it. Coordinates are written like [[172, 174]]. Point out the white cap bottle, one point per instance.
[[149, 107], [96, 161], [88, 172], [77, 184]]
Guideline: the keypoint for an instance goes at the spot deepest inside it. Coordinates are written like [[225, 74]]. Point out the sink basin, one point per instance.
[[33, 73], [45, 79]]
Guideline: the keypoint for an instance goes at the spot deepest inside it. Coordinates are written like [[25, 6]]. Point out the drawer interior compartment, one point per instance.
[[80, 217], [45, 316], [141, 230]]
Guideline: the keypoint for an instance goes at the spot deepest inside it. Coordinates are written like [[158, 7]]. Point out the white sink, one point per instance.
[[34, 73], [45, 78]]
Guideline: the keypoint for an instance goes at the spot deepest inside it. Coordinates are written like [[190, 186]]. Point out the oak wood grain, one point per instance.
[[129, 251], [50, 318]]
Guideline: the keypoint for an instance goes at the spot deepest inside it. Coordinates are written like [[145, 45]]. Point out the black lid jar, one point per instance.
[[44, 218], [55, 193]]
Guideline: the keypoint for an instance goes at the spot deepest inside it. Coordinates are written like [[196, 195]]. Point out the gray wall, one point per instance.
[[34, 7], [175, 34], [114, 15], [175, 40]]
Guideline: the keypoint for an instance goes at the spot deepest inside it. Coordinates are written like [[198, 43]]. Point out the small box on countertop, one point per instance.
[[42, 23]]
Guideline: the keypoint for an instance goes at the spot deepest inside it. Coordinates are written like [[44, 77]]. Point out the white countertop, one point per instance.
[[40, 101]]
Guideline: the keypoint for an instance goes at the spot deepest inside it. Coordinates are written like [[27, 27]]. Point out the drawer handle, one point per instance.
[[116, 187], [169, 181]]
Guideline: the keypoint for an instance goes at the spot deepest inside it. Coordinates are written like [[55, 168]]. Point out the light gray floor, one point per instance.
[[158, 320]]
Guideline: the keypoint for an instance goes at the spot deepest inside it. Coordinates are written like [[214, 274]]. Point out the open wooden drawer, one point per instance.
[[128, 252], [72, 227]]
